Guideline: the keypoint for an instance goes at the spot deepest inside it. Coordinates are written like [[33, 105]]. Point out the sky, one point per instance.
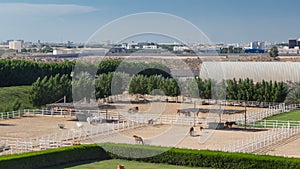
[[231, 21]]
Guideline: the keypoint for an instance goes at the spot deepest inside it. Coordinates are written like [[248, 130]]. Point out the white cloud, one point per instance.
[[28, 9]]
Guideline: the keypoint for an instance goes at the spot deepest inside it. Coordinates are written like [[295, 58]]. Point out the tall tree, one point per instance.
[[273, 52], [293, 96]]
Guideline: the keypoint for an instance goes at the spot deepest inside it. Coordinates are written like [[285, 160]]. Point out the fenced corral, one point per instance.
[[65, 137], [263, 140], [258, 115], [274, 124], [115, 121]]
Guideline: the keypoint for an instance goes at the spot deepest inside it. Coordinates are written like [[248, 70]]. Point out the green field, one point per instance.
[[9, 95], [292, 116], [112, 164], [281, 119]]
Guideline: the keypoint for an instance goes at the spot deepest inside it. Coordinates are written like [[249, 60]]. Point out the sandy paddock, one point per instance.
[[171, 108], [26, 127]]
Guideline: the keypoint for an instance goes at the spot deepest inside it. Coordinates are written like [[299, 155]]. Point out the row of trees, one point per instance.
[[261, 91], [51, 89], [21, 72], [133, 68], [154, 85], [243, 89]]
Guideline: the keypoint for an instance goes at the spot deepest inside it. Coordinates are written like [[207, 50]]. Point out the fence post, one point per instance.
[[123, 125]]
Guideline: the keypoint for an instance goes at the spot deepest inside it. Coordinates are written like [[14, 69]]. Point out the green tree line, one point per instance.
[[22, 72], [49, 90]]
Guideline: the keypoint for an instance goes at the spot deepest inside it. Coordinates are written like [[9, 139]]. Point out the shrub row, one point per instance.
[[203, 158], [172, 156], [53, 157]]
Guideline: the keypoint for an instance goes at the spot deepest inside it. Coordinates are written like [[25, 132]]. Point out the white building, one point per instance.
[[180, 48], [257, 45], [149, 46], [15, 45]]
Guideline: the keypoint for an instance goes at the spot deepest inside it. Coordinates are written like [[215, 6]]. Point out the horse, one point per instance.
[[186, 113], [201, 128], [150, 122], [138, 139], [230, 123], [192, 131], [76, 142], [133, 110]]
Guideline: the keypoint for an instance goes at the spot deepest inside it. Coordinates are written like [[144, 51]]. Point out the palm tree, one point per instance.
[[293, 96]]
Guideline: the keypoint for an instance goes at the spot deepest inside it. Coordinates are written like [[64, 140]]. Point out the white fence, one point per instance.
[[256, 142], [13, 114], [166, 119], [64, 138], [254, 116]]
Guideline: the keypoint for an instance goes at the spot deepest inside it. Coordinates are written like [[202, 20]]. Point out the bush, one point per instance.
[[53, 157], [172, 156], [205, 158]]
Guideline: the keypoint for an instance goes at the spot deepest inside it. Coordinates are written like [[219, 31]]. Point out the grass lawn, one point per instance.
[[292, 116], [8, 95], [112, 164], [280, 119]]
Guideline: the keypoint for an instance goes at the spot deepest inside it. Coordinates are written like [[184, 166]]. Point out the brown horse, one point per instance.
[[138, 139], [230, 123], [133, 110], [192, 131], [185, 113]]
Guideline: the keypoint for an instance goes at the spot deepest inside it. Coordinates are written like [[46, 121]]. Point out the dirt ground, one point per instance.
[[165, 135], [291, 149], [171, 108], [26, 127]]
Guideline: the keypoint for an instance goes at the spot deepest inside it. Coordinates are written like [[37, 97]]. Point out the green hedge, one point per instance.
[[173, 156], [53, 157], [202, 158]]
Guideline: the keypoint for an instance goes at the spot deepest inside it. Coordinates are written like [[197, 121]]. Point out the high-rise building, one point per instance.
[[15, 45]]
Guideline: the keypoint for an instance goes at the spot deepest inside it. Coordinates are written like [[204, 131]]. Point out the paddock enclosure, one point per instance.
[[32, 130]]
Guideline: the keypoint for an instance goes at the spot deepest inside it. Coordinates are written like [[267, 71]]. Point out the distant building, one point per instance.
[[254, 51], [180, 48], [149, 46], [257, 45], [15, 45], [293, 43]]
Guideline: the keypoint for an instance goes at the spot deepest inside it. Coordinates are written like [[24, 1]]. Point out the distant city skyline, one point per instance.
[[232, 21]]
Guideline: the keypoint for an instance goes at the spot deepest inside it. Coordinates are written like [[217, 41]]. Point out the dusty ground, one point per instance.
[[291, 149], [171, 108], [33, 126]]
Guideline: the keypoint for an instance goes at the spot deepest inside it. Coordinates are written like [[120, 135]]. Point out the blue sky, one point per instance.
[[222, 21]]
